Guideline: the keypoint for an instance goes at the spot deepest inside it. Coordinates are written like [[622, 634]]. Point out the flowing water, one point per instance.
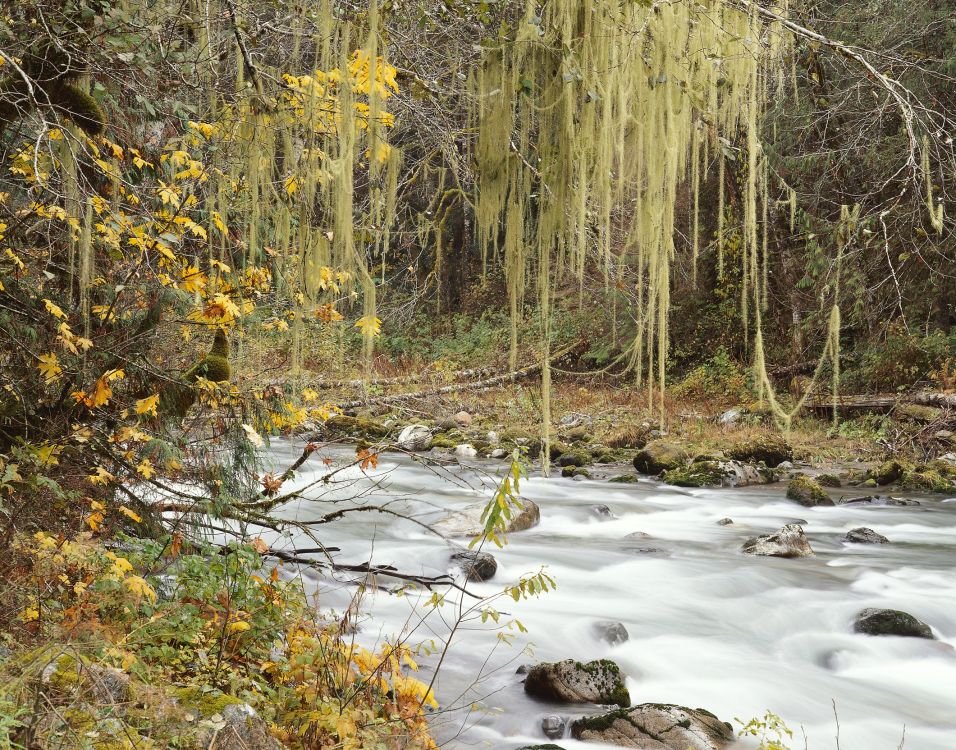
[[708, 626]]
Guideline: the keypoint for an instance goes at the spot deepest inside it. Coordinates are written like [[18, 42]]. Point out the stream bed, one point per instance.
[[708, 626]]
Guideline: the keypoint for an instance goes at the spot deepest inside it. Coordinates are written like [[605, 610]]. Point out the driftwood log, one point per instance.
[[882, 402]]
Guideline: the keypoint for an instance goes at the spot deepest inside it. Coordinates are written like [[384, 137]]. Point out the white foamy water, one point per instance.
[[708, 626]]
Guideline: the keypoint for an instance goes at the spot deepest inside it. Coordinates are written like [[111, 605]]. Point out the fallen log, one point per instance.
[[495, 380], [884, 402]]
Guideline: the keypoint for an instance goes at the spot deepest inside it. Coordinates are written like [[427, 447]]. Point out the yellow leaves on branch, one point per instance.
[[54, 309], [147, 405], [100, 476], [102, 390], [369, 325], [49, 367]]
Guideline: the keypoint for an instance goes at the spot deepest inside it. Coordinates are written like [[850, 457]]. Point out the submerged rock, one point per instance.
[[891, 622], [602, 512], [879, 500], [864, 535], [414, 437], [656, 726], [546, 746], [725, 521], [464, 450], [553, 726], [476, 565], [659, 456], [807, 492], [788, 541], [610, 631], [571, 681]]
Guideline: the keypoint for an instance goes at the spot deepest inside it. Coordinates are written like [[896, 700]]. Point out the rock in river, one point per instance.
[[467, 522], [864, 535], [415, 437], [788, 541], [610, 631], [656, 726], [891, 622], [477, 566], [571, 681], [553, 726], [807, 492], [658, 456]]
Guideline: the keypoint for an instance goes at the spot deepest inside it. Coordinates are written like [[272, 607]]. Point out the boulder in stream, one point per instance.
[[771, 450], [610, 631], [864, 535], [891, 622], [656, 726], [545, 746], [807, 492], [553, 726], [571, 681], [467, 521], [414, 437], [658, 456], [476, 565], [602, 512], [788, 541]]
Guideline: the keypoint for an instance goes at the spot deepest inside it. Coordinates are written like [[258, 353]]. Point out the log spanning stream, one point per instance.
[[708, 626]]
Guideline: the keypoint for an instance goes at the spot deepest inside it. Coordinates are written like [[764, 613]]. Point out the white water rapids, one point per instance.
[[709, 626]]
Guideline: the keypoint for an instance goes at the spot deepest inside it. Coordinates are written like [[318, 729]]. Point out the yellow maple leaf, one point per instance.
[[49, 367], [145, 469], [239, 626], [369, 325], [100, 476], [147, 405]]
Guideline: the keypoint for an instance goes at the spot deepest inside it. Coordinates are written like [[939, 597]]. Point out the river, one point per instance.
[[708, 626]]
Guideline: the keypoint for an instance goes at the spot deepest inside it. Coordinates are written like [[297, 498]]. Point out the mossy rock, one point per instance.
[[443, 441], [943, 468], [829, 480], [606, 457], [572, 681], [697, 474], [575, 471], [887, 472], [546, 746], [772, 450], [556, 449], [360, 427], [624, 479], [528, 441], [659, 456], [578, 434], [924, 479], [807, 492], [574, 458]]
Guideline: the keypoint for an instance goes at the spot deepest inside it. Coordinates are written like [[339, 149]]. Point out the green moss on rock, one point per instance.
[[697, 474], [659, 456], [361, 427], [924, 479], [772, 450], [887, 473], [807, 491]]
